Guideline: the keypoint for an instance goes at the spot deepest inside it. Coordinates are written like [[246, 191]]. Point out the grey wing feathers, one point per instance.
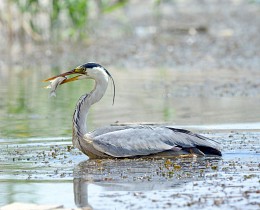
[[146, 140], [131, 142], [107, 129], [186, 138]]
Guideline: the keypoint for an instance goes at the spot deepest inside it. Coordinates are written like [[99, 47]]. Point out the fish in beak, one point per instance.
[[62, 79], [64, 75]]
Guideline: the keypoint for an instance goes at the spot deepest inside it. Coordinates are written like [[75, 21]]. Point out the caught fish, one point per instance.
[[54, 85]]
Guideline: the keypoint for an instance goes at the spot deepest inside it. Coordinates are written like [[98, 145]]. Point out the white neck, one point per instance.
[[85, 102]]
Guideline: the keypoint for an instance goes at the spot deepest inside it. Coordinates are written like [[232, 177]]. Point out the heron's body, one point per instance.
[[129, 141]]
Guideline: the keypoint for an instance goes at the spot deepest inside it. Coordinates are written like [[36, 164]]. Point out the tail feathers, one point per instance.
[[209, 150], [202, 151], [205, 147]]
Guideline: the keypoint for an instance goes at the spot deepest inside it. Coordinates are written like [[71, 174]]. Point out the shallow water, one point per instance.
[[38, 165]]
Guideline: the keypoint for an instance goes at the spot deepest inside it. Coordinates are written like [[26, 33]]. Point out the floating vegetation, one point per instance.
[[192, 182]]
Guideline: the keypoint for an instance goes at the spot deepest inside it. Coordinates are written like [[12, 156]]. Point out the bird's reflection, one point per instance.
[[137, 175], [81, 192]]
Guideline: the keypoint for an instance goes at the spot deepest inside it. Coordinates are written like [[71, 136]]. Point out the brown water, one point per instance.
[[38, 165]]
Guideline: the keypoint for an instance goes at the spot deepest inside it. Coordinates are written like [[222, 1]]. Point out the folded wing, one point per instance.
[[147, 140]]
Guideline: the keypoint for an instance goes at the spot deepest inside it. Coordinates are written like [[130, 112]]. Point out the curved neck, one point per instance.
[[83, 105]]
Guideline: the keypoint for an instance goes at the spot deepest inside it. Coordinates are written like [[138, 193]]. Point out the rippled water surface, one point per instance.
[[38, 164]]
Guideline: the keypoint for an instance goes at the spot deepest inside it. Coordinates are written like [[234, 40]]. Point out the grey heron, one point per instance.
[[126, 140]]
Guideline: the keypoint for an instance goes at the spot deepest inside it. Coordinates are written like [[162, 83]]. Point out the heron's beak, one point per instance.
[[64, 75]]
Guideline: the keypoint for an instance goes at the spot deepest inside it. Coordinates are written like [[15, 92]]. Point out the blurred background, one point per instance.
[[180, 62], [188, 63]]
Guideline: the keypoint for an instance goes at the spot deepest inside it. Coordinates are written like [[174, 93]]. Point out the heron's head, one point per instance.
[[86, 71]]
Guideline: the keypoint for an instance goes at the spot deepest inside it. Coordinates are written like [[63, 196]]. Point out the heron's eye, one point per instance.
[[80, 70], [83, 69]]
